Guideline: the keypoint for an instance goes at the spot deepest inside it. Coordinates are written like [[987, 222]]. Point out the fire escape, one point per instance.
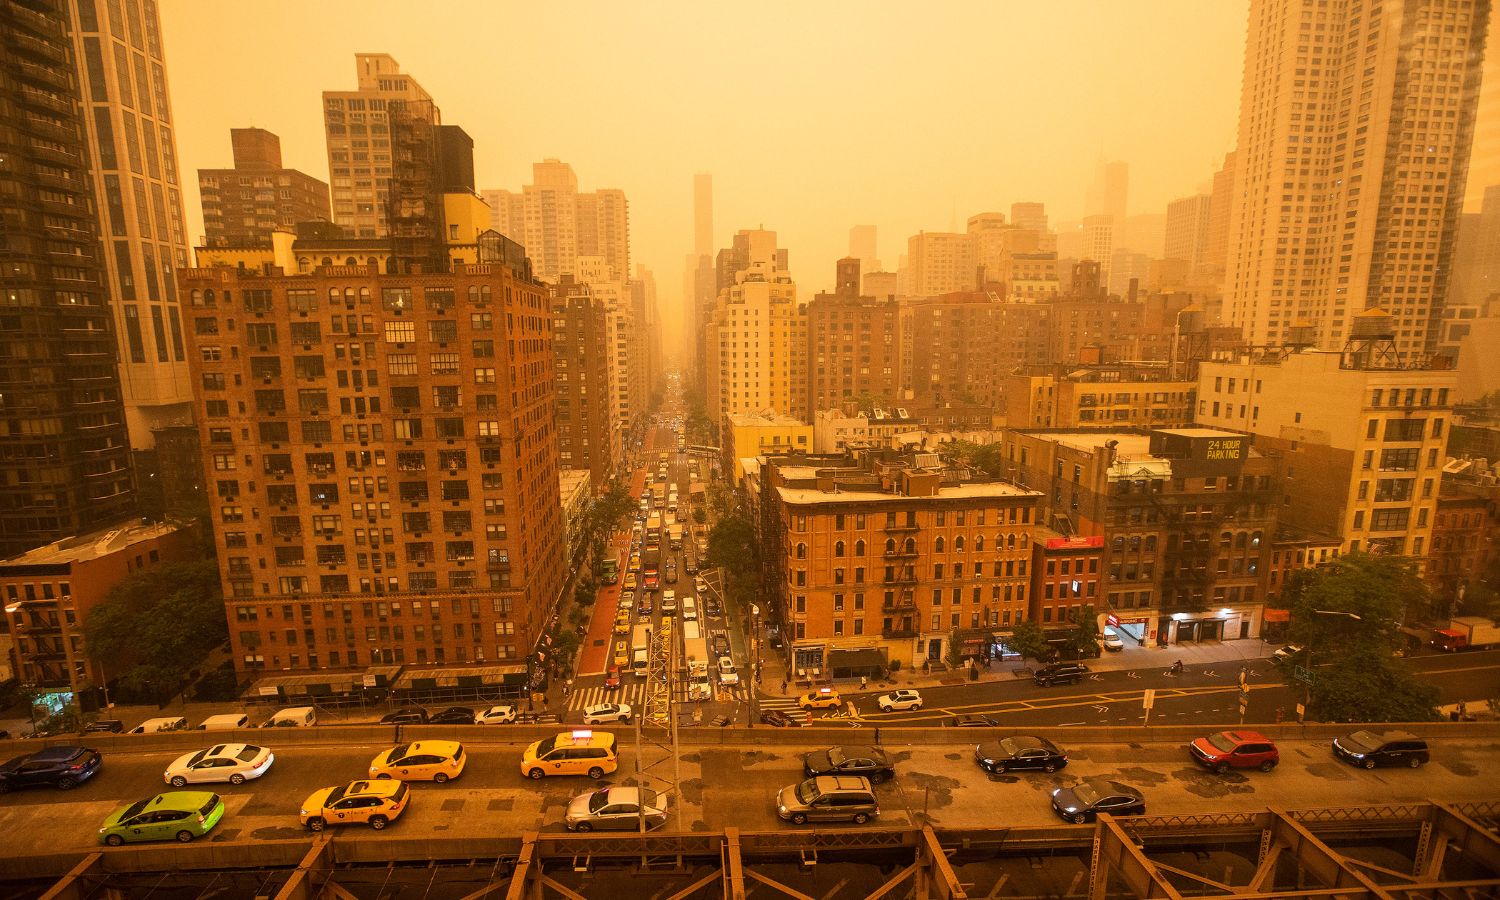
[[900, 613], [414, 201]]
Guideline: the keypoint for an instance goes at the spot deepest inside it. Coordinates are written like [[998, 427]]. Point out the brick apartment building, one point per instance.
[[382, 463], [853, 346]]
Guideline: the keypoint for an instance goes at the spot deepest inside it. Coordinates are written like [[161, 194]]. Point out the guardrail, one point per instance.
[[707, 736]]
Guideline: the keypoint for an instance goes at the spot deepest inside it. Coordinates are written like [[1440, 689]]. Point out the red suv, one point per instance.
[[1235, 750]]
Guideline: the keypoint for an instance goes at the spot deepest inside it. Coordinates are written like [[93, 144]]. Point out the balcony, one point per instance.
[[899, 631], [902, 527], [905, 606], [34, 20], [901, 554], [908, 579], [51, 52]]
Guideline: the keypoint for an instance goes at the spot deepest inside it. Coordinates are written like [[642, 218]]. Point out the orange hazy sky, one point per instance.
[[812, 117]]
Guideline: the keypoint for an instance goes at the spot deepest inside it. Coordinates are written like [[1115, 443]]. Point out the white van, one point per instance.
[[157, 726], [689, 609], [293, 717], [225, 722]]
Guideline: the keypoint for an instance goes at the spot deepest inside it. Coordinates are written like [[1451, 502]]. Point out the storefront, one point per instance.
[[1131, 629], [1229, 623]]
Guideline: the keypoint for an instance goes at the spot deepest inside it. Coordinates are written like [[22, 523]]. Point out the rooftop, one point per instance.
[[975, 490], [765, 419], [94, 545]]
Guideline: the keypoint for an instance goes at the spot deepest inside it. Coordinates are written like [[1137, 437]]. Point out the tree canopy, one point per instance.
[[734, 549], [1346, 614], [157, 624], [1028, 639]]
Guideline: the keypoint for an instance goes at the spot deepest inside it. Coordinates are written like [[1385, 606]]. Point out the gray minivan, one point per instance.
[[828, 798]]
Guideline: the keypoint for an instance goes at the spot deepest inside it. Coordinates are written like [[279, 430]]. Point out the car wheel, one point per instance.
[[316, 824], [1049, 768], [1369, 764], [536, 774], [184, 836], [1078, 818], [596, 773], [440, 778], [1414, 762], [384, 776], [583, 826], [178, 781], [114, 840], [1267, 766], [860, 818], [236, 779], [1221, 769], [66, 783], [379, 822], [799, 819]]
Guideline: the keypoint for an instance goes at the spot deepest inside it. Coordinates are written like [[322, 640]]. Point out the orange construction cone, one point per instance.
[[809, 718]]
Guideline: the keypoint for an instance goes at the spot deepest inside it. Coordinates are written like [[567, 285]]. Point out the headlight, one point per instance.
[[1056, 791], [302, 812], [988, 762], [104, 829]]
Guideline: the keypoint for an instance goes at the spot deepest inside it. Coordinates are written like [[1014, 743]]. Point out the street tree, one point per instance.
[[955, 656], [734, 550], [1028, 639], [1346, 614], [1083, 637], [156, 625]]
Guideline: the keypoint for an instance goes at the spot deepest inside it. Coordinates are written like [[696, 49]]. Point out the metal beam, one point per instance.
[[524, 883], [67, 886], [894, 882], [307, 879], [775, 885], [696, 886], [563, 889], [734, 866], [1473, 840], [934, 869], [1194, 876], [1326, 864], [1266, 871], [332, 891], [1118, 853]]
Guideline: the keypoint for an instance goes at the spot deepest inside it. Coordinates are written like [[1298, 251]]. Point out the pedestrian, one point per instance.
[[1280, 712], [864, 682], [784, 685]]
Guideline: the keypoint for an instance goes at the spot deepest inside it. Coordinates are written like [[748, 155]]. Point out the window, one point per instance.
[[442, 331], [400, 332]]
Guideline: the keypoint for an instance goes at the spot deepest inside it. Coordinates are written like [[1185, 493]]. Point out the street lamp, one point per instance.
[[1307, 682]]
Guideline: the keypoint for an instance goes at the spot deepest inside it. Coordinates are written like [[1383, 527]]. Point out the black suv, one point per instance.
[[406, 715], [59, 767], [1381, 748], [1059, 673]]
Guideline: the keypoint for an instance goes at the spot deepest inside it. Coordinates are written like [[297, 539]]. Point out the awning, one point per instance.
[[1272, 614], [856, 658]]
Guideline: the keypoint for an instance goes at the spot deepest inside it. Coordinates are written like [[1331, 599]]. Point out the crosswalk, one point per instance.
[[633, 693]]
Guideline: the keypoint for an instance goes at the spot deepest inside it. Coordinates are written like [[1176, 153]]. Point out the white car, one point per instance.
[[727, 672], [899, 700], [1111, 641], [605, 713], [496, 715], [234, 763]]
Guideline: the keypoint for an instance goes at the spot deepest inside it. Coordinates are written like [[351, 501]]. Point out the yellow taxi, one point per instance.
[[437, 761], [635, 561], [666, 627], [582, 751], [372, 803], [622, 623], [630, 582], [822, 698], [622, 654]]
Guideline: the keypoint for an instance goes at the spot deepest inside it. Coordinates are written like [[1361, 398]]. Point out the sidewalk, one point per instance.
[[1229, 653]]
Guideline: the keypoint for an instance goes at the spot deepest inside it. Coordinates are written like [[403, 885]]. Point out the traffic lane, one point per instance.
[[1071, 709]]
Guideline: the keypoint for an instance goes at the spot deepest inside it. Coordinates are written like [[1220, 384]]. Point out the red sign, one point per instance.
[[1112, 620], [1075, 543]]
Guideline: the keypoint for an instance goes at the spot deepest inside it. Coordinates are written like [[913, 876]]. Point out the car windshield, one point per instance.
[[1221, 742], [836, 756], [1009, 746], [1362, 740], [1085, 793], [545, 746], [598, 800], [247, 754], [197, 757], [807, 791], [133, 810], [337, 794], [398, 751]]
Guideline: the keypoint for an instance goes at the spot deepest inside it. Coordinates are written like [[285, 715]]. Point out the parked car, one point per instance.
[[1111, 641], [1381, 748], [1019, 751], [1235, 750], [373, 802], [437, 761], [453, 715], [778, 719], [1285, 653], [406, 715], [727, 672], [234, 763], [721, 645], [172, 816], [1085, 800], [971, 722], [903, 699], [1059, 673], [496, 715], [822, 698], [828, 798], [711, 605], [104, 726], [871, 762], [61, 767], [602, 713], [616, 809]]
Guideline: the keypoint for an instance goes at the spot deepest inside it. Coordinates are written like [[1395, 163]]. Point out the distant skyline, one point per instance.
[[810, 119]]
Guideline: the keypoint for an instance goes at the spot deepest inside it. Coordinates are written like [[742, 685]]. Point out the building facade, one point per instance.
[[1386, 109], [1066, 573], [940, 263], [853, 345], [1187, 229], [558, 224], [1130, 396], [586, 436], [246, 203], [65, 457], [756, 348], [383, 463]]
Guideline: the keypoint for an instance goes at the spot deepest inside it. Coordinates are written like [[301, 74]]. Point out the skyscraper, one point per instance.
[[862, 247], [703, 214], [1187, 229], [1350, 170], [853, 345], [357, 126], [1109, 190], [65, 457], [1099, 243], [1029, 215], [558, 224], [755, 346], [941, 263], [246, 203], [133, 156]]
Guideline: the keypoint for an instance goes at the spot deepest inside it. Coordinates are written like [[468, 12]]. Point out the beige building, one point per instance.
[[835, 431], [1187, 229], [756, 347], [1099, 243], [1354, 138], [1363, 437], [357, 125], [748, 435], [558, 224], [127, 120], [940, 263], [1120, 396]]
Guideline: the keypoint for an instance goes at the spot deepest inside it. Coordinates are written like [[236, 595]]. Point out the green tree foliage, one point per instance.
[[1028, 639], [955, 657], [158, 624], [1356, 674], [734, 549], [984, 457], [1083, 637]]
